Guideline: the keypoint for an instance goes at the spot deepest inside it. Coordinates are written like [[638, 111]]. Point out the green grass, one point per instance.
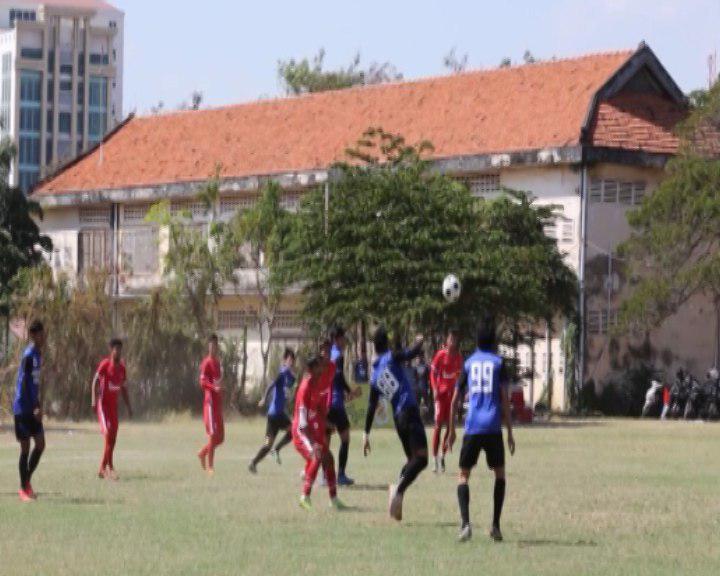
[[608, 497]]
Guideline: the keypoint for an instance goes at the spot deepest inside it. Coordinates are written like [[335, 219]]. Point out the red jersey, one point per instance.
[[445, 371], [311, 407], [210, 377], [112, 379], [327, 378]]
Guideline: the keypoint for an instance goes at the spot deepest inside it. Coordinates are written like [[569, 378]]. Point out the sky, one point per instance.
[[229, 49]]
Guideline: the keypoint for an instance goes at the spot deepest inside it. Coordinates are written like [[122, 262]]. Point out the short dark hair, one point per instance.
[[36, 327], [454, 332], [313, 362], [289, 353], [337, 332], [486, 336], [116, 343], [381, 340], [213, 338]]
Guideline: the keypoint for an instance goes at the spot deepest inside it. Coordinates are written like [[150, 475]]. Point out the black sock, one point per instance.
[[34, 461], [23, 468], [411, 472], [499, 499], [463, 494], [261, 454], [284, 441], [343, 456]]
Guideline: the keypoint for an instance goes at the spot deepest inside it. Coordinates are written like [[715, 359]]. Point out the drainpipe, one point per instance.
[[581, 272]]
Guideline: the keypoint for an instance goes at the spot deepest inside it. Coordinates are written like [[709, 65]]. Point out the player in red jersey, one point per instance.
[[309, 431], [444, 373], [211, 383], [109, 381]]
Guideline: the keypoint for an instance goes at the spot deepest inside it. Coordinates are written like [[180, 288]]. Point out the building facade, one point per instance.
[[61, 85], [589, 135]]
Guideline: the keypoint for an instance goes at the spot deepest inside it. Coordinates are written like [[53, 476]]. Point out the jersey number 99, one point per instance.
[[481, 377]]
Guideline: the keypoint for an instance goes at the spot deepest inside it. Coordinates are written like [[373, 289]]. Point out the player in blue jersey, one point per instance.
[[389, 381], [275, 398], [337, 417], [28, 411], [484, 377]]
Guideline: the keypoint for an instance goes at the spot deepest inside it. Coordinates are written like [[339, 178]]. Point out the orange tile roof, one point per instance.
[[638, 122], [502, 110]]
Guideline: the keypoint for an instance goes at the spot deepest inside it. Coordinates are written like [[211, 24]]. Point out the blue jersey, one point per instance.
[[390, 380], [339, 385], [483, 375], [285, 380], [27, 386]]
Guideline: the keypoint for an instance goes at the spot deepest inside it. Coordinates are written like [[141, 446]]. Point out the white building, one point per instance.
[[589, 134], [62, 63]]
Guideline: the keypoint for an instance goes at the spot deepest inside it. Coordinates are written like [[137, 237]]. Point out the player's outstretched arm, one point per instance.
[[410, 353], [507, 418], [369, 418]]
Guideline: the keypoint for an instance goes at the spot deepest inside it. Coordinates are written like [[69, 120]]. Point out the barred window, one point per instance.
[[228, 206], [95, 216], [290, 201], [139, 251], [135, 214], [482, 184], [625, 193], [196, 210], [234, 319], [288, 320]]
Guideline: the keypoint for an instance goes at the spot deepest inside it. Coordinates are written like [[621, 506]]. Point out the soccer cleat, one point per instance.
[[203, 463], [337, 504], [495, 534], [252, 468], [344, 480], [465, 533], [24, 496], [30, 492], [395, 503], [305, 503]]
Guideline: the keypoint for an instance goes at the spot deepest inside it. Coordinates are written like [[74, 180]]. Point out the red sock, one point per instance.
[[436, 439], [311, 472]]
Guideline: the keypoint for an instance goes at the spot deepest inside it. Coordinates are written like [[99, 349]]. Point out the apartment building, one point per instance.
[[61, 90], [590, 135]]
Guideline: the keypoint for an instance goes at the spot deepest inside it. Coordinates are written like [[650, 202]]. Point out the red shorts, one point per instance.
[[443, 404], [108, 417], [213, 418]]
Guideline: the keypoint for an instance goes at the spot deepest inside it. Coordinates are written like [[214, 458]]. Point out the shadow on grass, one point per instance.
[[75, 500], [563, 424], [556, 543], [367, 488], [430, 524]]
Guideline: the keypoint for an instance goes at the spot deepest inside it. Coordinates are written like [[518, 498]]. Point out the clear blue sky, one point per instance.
[[229, 49]]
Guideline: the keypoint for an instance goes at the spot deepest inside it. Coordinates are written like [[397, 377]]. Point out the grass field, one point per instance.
[[607, 497]]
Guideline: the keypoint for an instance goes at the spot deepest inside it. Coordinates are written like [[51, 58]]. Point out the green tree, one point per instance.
[[393, 230], [262, 234], [305, 76], [21, 243], [674, 250]]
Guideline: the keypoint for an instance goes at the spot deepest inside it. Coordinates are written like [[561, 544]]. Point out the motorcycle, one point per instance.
[[653, 400]]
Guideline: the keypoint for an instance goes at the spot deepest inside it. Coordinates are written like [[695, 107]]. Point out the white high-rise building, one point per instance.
[[61, 80]]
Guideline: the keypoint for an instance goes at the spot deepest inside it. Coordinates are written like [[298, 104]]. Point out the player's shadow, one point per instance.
[[538, 542], [431, 524], [76, 500], [367, 487]]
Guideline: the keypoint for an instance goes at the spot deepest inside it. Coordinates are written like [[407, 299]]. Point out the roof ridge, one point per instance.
[[384, 85]]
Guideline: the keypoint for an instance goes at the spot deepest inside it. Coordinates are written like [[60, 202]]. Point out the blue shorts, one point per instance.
[[27, 426]]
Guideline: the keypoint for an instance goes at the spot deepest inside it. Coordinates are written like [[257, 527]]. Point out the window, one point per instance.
[[234, 319], [31, 53], [65, 122], [97, 117], [196, 210], [17, 15], [482, 184], [601, 321], [290, 201], [29, 153], [288, 321], [99, 59], [139, 251], [135, 214], [6, 92], [28, 178], [228, 206], [567, 232], [94, 250], [624, 193], [30, 119], [95, 216], [30, 86]]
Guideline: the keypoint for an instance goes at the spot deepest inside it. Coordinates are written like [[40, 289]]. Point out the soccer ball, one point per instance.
[[451, 288]]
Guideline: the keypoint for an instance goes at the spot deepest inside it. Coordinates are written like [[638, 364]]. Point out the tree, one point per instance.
[[305, 77], [196, 100], [454, 63], [505, 62], [673, 252], [528, 57], [21, 243], [262, 232], [394, 229]]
